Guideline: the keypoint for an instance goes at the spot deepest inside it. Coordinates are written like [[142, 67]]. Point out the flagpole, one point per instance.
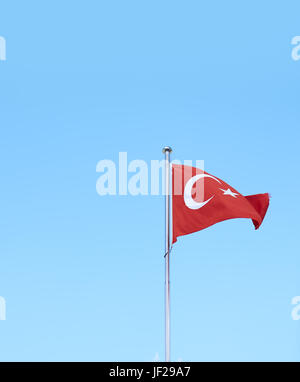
[[167, 151]]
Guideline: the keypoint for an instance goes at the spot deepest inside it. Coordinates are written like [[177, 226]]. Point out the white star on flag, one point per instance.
[[229, 192]]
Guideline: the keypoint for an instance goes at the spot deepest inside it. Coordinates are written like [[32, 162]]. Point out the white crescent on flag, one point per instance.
[[188, 199]]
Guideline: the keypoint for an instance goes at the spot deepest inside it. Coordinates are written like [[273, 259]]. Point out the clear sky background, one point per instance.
[[83, 275]]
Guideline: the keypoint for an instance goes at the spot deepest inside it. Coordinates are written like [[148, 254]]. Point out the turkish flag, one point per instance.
[[200, 200]]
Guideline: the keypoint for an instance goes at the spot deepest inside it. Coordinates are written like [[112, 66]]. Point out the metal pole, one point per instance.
[[167, 151]]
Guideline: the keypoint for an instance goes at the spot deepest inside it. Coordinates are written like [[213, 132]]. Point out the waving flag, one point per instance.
[[200, 200]]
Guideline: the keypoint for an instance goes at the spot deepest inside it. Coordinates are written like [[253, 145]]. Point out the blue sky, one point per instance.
[[83, 275]]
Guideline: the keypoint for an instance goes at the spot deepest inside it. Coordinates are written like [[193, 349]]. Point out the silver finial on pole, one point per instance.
[[167, 148], [167, 151]]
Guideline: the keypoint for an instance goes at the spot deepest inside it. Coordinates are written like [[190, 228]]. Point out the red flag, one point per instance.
[[200, 200]]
